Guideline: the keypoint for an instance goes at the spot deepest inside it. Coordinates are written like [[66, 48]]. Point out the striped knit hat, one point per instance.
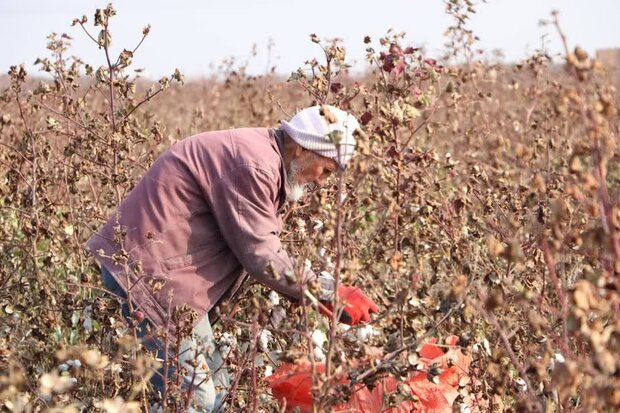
[[329, 134]]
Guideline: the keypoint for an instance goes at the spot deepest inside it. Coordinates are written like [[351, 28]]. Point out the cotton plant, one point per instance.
[[226, 344], [318, 340], [264, 338]]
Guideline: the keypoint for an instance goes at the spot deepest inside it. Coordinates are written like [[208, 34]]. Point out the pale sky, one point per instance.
[[197, 35]]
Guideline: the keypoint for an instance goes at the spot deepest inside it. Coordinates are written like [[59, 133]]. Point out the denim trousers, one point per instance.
[[209, 372]]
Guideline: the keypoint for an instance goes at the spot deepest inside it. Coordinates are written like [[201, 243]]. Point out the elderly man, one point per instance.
[[206, 210]]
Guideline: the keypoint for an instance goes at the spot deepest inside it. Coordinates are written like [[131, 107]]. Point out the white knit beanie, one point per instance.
[[313, 131]]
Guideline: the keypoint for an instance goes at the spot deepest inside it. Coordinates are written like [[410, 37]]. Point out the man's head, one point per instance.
[[318, 140]]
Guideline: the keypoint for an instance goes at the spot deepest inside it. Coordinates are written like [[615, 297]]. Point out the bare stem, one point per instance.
[[33, 189], [511, 354]]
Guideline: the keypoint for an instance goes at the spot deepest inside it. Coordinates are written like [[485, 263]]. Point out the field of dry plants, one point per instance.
[[483, 204]]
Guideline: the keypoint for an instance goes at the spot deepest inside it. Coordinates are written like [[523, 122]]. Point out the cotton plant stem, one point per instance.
[[253, 396], [33, 189], [307, 294], [338, 266], [559, 290], [331, 345], [511, 354], [606, 216]]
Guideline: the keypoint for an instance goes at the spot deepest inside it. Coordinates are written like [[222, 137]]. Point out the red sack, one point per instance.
[[293, 383], [454, 365]]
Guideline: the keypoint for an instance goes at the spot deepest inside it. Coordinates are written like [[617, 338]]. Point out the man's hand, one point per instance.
[[358, 305]]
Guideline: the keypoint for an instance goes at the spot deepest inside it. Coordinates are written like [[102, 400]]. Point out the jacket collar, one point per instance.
[[278, 137]]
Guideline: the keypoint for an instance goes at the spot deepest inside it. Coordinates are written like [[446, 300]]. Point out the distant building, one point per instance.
[[610, 58]]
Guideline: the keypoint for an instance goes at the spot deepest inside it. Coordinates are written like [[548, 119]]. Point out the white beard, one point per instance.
[[295, 190]]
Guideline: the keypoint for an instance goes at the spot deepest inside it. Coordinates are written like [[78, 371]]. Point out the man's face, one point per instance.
[[308, 167]]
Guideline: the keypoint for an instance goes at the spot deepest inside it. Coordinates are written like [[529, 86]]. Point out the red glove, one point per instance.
[[358, 305]]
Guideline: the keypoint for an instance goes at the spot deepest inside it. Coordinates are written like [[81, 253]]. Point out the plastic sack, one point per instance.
[[292, 384]]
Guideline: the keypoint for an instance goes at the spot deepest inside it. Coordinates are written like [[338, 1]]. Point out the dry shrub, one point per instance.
[[484, 203]]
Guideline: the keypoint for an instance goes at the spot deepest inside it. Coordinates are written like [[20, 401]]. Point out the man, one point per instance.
[[209, 208]]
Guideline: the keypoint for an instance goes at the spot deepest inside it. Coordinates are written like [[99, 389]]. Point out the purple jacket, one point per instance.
[[206, 210]]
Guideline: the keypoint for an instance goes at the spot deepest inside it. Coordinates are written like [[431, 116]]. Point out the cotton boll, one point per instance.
[[487, 347], [319, 355], [63, 367], [301, 227], [318, 338], [317, 227], [268, 370], [263, 340], [226, 344], [365, 333], [116, 368], [274, 298], [521, 385], [557, 358], [329, 263]]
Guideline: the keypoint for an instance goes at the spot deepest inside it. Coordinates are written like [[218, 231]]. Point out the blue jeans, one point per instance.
[[201, 347]]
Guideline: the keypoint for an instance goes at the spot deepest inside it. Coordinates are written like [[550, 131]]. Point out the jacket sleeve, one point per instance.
[[244, 205]]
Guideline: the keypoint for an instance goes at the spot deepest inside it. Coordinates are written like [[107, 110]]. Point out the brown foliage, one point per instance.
[[484, 203]]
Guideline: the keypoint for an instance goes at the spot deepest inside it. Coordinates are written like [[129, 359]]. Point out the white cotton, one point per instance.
[[63, 367], [317, 227], [487, 347], [318, 338], [116, 368], [365, 333], [319, 355], [295, 192], [521, 385], [274, 298], [268, 370], [301, 227], [226, 344], [557, 358], [263, 340]]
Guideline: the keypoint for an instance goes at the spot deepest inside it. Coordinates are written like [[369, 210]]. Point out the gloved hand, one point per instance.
[[358, 305]]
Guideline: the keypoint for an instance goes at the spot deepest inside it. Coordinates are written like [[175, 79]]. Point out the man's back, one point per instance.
[[175, 221]]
